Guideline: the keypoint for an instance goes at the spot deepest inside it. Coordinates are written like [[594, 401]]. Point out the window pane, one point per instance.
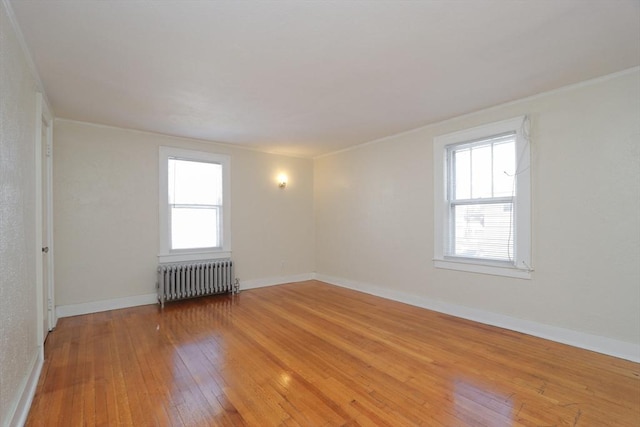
[[194, 183], [483, 231], [462, 167], [504, 161], [481, 171], [194, 228]]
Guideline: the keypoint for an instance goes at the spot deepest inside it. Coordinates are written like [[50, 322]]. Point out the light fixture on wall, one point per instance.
[[282, 181]]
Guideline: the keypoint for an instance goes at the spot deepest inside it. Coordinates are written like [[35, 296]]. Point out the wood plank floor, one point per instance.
[[311, 354]]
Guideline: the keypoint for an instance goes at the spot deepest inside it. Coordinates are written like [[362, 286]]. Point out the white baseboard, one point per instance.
[[271, 281], [105, 305], [600, 344], [117, 303], [27, 391]]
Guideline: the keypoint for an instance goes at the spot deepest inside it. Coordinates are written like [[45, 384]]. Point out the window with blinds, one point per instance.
[[482, 199], [194, 205]]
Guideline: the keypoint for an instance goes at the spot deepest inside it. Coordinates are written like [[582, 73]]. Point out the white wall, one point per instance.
[[374, 214], [106, 212], [18, 316]]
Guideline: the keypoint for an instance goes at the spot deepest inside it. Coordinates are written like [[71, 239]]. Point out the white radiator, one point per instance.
[[189, 280]]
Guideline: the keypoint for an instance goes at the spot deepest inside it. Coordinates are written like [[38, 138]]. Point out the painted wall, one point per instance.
[[106, 212], [374, 214], [18, 317]]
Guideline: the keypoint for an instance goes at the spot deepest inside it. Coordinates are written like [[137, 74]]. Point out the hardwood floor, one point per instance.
[[311, 354]]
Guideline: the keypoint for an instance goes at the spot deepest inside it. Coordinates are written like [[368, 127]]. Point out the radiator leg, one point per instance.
[[160, 286]]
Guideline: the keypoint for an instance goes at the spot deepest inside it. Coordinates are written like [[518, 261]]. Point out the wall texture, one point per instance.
[[106, 212], [374, 214], [18, 343]]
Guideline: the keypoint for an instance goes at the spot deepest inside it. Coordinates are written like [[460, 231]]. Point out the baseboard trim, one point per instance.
[[599, 344], [28, 390], [104, 305], [126, 302], [272, 281]]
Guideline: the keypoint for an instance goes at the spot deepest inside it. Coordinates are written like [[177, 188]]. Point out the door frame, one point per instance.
[[44, 119]]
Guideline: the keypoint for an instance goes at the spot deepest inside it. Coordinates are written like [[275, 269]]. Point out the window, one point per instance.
[[482, 199], [194, 205]]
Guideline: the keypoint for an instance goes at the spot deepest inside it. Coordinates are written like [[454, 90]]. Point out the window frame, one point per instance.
[[166, 254], [521, 267]]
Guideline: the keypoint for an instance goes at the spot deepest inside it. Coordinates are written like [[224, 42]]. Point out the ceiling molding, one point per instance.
[[562, 89]]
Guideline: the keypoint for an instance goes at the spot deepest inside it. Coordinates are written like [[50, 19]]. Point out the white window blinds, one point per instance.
[[195, 204], [481, 192]]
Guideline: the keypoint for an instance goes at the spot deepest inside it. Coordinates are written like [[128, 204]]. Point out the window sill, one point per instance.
[[482, 268], [192, 256]]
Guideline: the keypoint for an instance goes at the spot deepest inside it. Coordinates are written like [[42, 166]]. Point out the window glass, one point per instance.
[[195, 228], [503, 169], [192, 182], [481, 172], [462, 165], [483, 231]]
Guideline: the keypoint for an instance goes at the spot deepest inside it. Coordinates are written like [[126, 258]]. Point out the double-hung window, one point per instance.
[[482, 199], [194, 205]]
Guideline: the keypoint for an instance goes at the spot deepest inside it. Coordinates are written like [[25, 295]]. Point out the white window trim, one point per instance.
[[166, 254], [522, 203]]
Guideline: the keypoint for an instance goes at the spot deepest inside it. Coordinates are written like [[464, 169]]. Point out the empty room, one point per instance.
[[319, 213]]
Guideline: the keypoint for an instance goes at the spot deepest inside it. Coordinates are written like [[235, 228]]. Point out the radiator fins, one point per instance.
[[194, 279]]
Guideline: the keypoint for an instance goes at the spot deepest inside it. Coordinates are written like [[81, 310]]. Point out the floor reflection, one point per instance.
[[199, 355], [474, 400]]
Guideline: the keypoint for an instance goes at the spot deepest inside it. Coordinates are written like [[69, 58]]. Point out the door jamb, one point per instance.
[[43, 116]]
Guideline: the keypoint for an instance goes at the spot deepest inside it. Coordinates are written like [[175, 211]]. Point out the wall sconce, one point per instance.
[[282, 181]]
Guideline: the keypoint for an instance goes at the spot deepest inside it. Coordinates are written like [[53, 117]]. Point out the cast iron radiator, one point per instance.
[[178, 281]]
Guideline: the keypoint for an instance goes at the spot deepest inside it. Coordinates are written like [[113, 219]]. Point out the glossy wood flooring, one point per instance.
[[311, 354]]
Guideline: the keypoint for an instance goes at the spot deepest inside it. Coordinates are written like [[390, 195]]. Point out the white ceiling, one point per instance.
[[310, 77]]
